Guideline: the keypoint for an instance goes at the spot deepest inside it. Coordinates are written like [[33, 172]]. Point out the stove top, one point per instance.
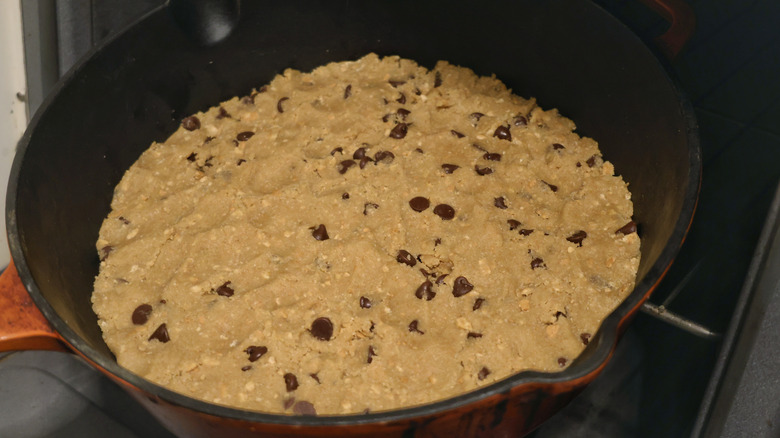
[[697, 362]]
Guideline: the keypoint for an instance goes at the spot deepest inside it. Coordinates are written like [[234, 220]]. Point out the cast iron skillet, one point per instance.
[[135, 89]]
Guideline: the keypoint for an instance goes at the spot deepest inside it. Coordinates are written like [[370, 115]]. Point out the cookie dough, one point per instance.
[[368, 236]]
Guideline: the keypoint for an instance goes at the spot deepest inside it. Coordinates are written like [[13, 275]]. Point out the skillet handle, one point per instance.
[[22, 325], [682, 24]]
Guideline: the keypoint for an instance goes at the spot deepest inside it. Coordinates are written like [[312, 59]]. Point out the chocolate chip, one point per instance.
[[503, 133], [371, 354], [371, 329], [520, 120], [279, 104], [405, 257], [141, 314], [246, 367], [476, 116], [255, 352], [289, 402], [207, 163], [492, 156], [461, 287], [578, 164], [500, 202], [345, 195], [484, 372], [513, 224], [240, 161], [315, 377], [425, 291], [478, 147], [123, 220], [628, 228], [359, 153], [364, 161], [396, 84], [399, 131], [449, 168], [401, 99], [244, 136], [339, 150], [290, 382], [161, 334], [105, 251], [482, 171], [437, 80], [386, 157], [473, 335], [208, 139], [190, 123], [348, 91], [441, 278], [304, 408], [537, 263], [225, 290], [419, 203], [413, 327], [577, 237], [562, 362], [478, 303], [585, 338], [222, 113], [417, 91], [403, 112], [365, 303], [457, 134], [369, 207], [419, 151], [192, 157], [444, 211], [322, 328], [235, 142], [345, 165], [558, 146], [320, 233], [591, 161], [552, 187]]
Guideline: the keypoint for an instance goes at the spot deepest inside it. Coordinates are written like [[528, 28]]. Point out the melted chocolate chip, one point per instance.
[[141, 314], [359, 153], [628, 228], [365, 303], [585, 338], [396, 84], [339, 150], [558, 146], [345, 165], [484, 372], [315, 377], [503, 133], [437, 80], [192, 157], [161, 334], [492, 156], [386, 157], [482, 171], [425, 291], [413, 327], [290, 382], [399, 131], [345, 195], [591, 161], [537, 263], [478, 303], [457, 134], [500, 202], [419, 203], [320, 233], [401, 99], [403, 112], [562, 362], [225, 290], [405, 257], [520, 121], [444, 211], [348, 91], [279, 104], [105, 251], [552, 187], [255, 352], [449, 168], [513, 224], [461, 287], [190, 123], [577, 237], [526, 232], [322, 329], [222, 113], [304, 408], [473, 335], [371, 354], [369, 207], [244, 136]]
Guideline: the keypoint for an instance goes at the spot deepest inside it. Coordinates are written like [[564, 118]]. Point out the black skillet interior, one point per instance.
[[568, 54]]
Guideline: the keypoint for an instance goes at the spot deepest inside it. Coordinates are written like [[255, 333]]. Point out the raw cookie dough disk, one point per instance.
[[214, 266]]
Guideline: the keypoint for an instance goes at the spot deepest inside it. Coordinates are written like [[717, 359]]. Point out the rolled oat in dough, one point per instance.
[[367, 236]]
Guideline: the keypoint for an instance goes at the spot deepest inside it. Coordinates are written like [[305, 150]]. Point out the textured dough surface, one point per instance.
[[215, 233]]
